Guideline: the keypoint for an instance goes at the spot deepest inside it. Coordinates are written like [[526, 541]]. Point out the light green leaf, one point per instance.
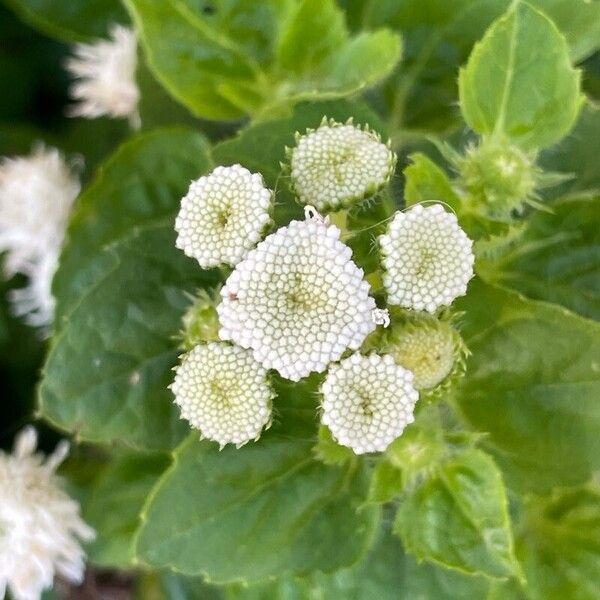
[[220, 67], [121, 291], [560, 544], [426, 181], [328, 451], [114, 505], [458, 517], [386, 483], [213, 509], [558, 257], [533, 382], [519, 82], [68, 20]]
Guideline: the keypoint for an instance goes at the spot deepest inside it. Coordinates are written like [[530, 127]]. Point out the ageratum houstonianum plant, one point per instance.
[[343, 346]]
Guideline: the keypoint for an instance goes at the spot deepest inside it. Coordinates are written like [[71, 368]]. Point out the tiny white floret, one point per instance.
[[40, 527], [427, 257], [297, 300], [339, 164], [223, 215], [368, 401], [223, 392], [36, 196], [104, 74]]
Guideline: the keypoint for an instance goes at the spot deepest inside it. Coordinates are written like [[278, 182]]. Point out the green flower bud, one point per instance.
[[200, 321], [499, 176]]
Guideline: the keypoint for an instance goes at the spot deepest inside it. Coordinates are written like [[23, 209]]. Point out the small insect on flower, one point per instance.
[[40, 527], [339, 164], [428, 259], [224, 393], [297, 300], [36, 196], [368, 401], [223, 215], [105, 77]]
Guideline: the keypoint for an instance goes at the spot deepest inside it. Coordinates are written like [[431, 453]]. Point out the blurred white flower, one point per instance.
[[297, 300], [40, 526], [368, 401], [36, 196], [223, 392], [339, 164], [428, 259], [105, 77], [223, 215]]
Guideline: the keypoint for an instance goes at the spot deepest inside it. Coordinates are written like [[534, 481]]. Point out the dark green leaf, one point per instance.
[[533, 382], [213, 509], [558, 257], [115, 501], [70, 20]]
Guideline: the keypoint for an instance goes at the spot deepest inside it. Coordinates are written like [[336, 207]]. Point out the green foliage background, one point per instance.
[[493, 493]]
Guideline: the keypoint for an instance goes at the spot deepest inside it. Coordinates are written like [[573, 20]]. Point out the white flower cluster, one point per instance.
[[428, 259], [339, 164], [40, 527], [36, 196], [223, 215], [105, 77], [368, 401], [297, 300], [223, 392]]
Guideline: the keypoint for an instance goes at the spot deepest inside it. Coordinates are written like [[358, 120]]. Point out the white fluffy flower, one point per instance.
[[40, 526], [36, 196], [297, 300], [223, 215], [428, 259], [339, 164], [368, 401], [223, 392], [105, 77]]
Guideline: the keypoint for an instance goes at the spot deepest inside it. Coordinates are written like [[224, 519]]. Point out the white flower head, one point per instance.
[[223, 215], [40, 526], [368, 401], [297, 300], [36, 196], [339, 164], [105, 77], [428, 259], [223, 392]]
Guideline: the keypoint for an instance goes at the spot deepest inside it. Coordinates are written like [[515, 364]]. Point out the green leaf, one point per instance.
[[213, 509], [328, 451], [532, 383], [113, 507], [121, 290], [221, 67], [558, 257], [387, 573], [386, 483], [519, 81], [458, 517], [560, 544], [427, 181], [68, 20]]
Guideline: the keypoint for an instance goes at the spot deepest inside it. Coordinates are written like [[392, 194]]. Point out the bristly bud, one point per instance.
[[339, 164], [200, 321], [430, 348], [499, 177]]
